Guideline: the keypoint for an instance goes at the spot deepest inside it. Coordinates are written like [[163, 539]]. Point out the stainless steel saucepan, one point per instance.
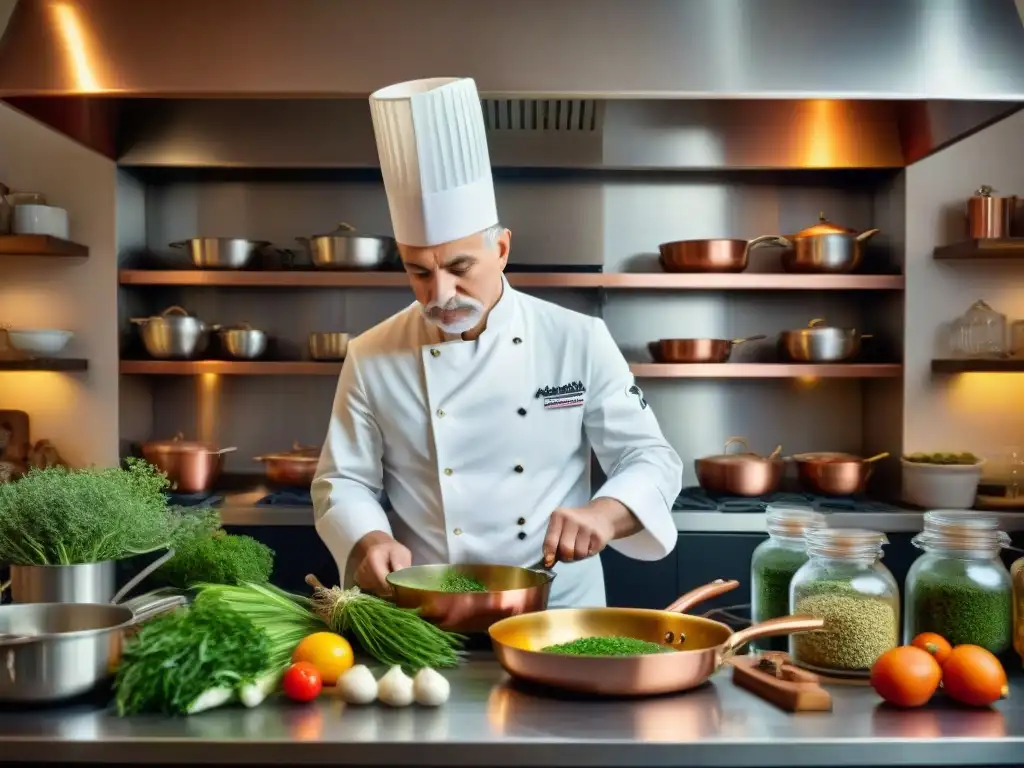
[[820, 343], [57, 651], [346, 249], [174, 334], [221, 252]]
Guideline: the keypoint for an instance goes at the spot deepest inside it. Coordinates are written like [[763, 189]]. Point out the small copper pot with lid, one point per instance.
[[988, 215], [295, 468], [824, 248], [190, 466], [740, 474]]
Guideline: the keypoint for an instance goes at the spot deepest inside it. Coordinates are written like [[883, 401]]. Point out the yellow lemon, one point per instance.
[[331, 654]]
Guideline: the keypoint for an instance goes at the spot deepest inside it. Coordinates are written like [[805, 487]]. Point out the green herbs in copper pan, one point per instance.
[[456, 581], [607, 646]]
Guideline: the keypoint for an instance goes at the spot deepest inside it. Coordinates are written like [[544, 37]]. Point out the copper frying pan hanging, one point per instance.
[[702, 645]]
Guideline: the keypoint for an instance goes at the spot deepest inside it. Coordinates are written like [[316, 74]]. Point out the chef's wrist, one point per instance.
[[617, 516], [370, 540]]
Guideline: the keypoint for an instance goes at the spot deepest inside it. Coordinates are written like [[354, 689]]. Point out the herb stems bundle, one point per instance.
[[61, 516]]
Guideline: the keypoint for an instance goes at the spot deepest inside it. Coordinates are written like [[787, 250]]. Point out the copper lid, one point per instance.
[[824, 227], [178, 444]]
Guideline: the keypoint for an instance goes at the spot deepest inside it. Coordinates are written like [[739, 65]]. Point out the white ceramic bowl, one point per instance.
[[35, 341], [941, 486], [40, 220]]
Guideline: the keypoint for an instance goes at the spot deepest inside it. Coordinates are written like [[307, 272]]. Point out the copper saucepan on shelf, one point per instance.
[[294, 468], [715, 255], [695, 350], [510, 591], [740, 474], [191, 467], [701, 645], [835, 474]]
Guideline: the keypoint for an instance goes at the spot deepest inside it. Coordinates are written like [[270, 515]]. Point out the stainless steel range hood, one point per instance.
[[922, 72], [640, 49]]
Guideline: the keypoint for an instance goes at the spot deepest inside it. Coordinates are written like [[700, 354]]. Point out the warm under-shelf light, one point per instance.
[[78, 47], [208, 390]]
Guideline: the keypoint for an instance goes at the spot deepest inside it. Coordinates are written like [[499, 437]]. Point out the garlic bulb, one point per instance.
[[430, 688], [395, 688], [357, 685]]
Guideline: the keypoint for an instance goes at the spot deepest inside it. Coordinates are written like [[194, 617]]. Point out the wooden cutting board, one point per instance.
[[14, 435]]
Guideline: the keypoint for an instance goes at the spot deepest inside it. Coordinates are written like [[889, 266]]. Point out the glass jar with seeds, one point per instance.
[[959, 587], [774, 563], [845, 583], [1017, 574]]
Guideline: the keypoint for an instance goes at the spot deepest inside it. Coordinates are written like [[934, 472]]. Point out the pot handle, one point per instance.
[[345, 227], [175, 310], [877, 457], [741, 441], [783, 625], [748, 338], [700, 594], [178, 244], [767, 240], [152, 604], [867, 233], [140, 576]]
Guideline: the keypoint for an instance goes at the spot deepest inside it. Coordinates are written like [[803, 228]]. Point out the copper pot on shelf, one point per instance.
[[295, 468], [740, 474], [989, 215], [835, 474], [190, 466], [824, 248], [695, 350], [713, 255]]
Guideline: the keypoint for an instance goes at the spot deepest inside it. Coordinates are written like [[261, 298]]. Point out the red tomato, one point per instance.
[[301, 682]]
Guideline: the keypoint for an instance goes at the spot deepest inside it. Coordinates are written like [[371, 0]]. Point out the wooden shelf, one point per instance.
[[611, 281], [765, 370], [45, 364], [1015, 365], [989, 248], [40, 245], [229, 367]]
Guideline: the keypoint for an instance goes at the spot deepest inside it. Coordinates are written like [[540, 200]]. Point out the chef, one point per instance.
[[474, 410]]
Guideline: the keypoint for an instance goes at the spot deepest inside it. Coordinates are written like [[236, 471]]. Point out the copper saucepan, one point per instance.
[[695, 350], [835, 474], [295, 468], [190, 466], [715, 255], [510, 591], [740, 474], [703, 645]]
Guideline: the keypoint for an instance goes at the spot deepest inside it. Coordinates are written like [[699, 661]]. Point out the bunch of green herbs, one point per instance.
[[195, 659], [62, 516], [965, 612], [607, 646], [205, 553]]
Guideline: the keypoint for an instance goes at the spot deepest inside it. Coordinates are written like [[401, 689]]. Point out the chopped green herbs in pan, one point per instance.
[[455, 581], [607, 646]]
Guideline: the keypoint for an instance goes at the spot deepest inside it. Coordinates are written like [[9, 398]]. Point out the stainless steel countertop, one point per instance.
[[490, 722], [241, 509]]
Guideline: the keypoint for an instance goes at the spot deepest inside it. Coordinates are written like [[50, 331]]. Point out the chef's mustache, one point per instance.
[[453, 304]]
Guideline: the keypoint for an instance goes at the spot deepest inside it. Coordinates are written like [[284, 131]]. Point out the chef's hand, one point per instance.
[[576, 533], [378, 554]]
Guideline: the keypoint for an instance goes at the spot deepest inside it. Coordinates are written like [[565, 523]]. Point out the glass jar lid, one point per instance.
[[845, 542], [960, 529], [792, 521]]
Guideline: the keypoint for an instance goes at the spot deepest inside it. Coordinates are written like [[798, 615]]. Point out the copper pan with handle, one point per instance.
[[701, 645]]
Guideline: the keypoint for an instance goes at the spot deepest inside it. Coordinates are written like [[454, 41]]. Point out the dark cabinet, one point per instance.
[[705, 557], [638, 583]]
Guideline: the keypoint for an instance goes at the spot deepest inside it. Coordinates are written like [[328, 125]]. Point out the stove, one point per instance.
[[696, 499], [199, 500], [287, 497]]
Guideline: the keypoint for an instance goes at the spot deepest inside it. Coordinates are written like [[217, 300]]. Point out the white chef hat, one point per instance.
[[433, 155]]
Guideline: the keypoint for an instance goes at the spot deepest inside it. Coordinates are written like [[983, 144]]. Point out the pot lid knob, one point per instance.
[[984, 191]]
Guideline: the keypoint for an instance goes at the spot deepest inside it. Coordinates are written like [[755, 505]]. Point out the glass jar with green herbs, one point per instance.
[[774, 563], [959, 587], [845, 583]]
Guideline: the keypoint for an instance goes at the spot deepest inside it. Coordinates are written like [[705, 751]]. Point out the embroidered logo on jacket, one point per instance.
[[638, 393], [564, 396]]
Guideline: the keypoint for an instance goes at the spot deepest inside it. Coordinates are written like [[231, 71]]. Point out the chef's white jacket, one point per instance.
[[476, 443]]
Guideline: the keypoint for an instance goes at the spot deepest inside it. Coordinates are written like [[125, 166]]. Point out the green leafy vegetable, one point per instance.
[[61, 516], [392, 635], [456, 581], [607, 646], [205, 554], [192, 660]]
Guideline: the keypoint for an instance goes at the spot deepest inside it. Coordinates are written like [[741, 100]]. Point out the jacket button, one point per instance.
[[440, 413], [449, 471], [521, 521], [517, 340], [457, 531], [435, 353], [521, 411], [522, 535], [519, 468]]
